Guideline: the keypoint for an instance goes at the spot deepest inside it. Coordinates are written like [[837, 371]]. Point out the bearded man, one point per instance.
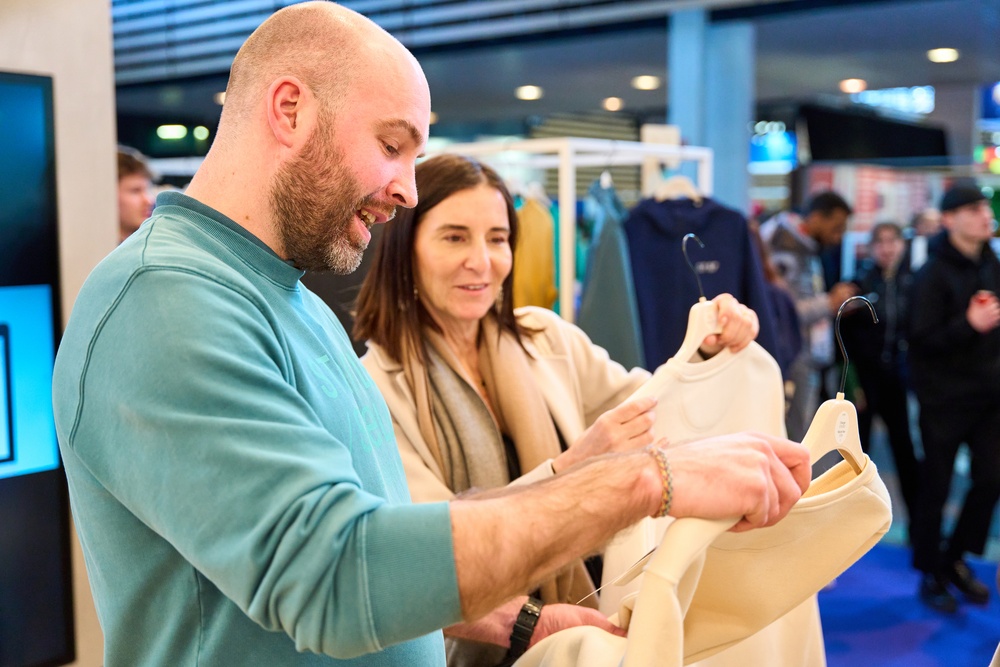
[[232, 468]]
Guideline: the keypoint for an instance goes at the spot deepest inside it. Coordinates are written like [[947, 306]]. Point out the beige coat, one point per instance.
[[577, 379]]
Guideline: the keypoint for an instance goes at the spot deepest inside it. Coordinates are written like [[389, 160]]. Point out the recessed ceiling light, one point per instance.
[[529, 93], [220, 98], [171, 132], [942, 55], [433, 118], [853, 85], [646, 82], [613, 103]]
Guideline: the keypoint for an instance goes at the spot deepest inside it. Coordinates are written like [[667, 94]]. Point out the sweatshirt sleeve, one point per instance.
[[188, 415]]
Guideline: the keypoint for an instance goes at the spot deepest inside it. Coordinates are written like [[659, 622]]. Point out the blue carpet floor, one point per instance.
[[873, 618]]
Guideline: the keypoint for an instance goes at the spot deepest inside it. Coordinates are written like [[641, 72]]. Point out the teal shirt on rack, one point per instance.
[[232, 468]]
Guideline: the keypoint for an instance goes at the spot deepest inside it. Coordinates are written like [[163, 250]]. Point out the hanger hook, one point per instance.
[[840, 340], [684, 249]]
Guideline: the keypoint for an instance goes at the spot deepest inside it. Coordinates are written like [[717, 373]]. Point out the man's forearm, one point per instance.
[[506, 544], [509, 541]]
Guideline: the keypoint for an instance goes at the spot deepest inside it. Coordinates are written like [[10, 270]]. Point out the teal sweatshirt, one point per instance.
[[232, 467]]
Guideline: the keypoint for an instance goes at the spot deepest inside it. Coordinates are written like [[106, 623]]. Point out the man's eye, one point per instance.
[[391, 150]]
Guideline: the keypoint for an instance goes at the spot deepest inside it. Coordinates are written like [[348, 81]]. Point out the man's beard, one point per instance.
[[313, 199]]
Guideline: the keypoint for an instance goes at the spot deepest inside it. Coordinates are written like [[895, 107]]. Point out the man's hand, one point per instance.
[[840, 293], [620, 429], [983, 313], [739, 327], [749, 475]]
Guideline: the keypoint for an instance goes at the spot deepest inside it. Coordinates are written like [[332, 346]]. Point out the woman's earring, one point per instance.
[[498, 304]]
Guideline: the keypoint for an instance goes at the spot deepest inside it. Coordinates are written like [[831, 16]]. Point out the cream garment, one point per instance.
[[695, 601], [727, 393]]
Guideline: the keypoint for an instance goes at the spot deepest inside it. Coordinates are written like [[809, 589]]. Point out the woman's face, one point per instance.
[[462, 255]]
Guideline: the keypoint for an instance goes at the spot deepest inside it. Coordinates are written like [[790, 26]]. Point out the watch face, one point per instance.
[[533, 606]]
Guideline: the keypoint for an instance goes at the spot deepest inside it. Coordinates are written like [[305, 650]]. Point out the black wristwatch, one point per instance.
[[524, 627]]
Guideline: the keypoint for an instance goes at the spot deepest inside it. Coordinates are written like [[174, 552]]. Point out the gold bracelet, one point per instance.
[[668, 480]]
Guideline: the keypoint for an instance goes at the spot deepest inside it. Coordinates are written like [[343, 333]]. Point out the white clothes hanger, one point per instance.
[[606, 181], [677, 187], [835, 425], [703, 318], [536, 191]]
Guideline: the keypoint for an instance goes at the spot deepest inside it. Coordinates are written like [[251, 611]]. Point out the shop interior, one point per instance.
[[863, 97]]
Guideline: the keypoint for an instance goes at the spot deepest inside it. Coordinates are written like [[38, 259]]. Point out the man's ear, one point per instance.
[[289, 104]]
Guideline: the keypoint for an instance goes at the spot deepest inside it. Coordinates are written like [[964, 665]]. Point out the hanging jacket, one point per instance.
[[608, 310], [951, 363], [666, 288], [535, 256]]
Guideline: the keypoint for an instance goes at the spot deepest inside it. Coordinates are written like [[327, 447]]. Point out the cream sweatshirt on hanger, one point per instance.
[[695, 602], [725, 394]]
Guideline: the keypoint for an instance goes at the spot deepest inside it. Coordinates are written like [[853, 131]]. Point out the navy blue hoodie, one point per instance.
[[666, 288]]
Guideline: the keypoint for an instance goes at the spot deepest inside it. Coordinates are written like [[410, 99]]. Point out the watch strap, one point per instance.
[[524, 627]]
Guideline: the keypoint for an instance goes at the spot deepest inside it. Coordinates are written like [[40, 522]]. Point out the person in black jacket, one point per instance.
[[955, 361], [877, 351]]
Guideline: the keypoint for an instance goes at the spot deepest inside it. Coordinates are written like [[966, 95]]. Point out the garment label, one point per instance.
[[840, 428]]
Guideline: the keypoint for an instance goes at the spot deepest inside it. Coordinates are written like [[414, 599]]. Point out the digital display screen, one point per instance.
[[28, 441], [36, 601], [6, 420]]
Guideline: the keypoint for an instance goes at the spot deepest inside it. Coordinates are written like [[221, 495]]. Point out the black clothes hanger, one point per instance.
[[703, 318]]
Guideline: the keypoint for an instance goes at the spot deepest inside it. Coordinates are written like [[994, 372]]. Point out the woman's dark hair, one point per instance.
[[387, 311]]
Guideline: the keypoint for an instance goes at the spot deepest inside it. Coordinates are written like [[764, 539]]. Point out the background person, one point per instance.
[[877, 352], [135, 191], [955, 360], [481, 394], [795, 243]]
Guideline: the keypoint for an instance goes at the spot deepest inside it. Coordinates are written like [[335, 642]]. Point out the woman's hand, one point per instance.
[[626, 427], [739, 327]]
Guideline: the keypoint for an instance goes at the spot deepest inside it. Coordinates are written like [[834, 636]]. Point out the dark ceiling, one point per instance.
[[803, 50]]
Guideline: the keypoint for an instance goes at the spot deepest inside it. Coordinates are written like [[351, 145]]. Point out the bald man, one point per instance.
[[232, 468]]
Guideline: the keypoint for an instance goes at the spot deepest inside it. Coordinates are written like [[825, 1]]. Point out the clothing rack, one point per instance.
[[566, 154]]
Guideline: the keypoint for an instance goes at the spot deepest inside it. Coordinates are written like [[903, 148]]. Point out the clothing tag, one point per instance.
[[840, 428]]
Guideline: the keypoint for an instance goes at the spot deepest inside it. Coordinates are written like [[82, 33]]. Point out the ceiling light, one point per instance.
[[942, 55], [200, 133], [528, 93], [171, 132], [433, 118], [646, 82], [220, 98], [613, 103], [853, 85]]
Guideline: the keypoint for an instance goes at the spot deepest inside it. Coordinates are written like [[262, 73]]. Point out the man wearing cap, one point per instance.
[[955, 361]]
